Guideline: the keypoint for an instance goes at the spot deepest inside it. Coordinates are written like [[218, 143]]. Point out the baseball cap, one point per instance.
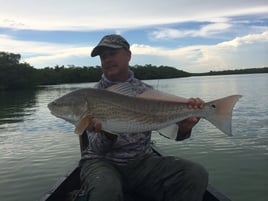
[[110, 41]]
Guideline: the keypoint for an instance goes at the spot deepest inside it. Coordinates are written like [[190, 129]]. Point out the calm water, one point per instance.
[[36, 148]]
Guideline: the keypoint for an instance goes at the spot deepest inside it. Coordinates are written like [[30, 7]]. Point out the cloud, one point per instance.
[[213, 29], [225, 35], [41, 54], [120, 14], [204, 31], [241, 52], [249, 39], [66, 56]]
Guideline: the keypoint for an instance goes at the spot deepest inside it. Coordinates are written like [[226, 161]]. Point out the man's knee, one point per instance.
[[198, 176], [191, 182], [190, 173], [101, 181], [106, 187]]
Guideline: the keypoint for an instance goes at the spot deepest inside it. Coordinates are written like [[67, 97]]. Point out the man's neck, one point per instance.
[[123, 78]]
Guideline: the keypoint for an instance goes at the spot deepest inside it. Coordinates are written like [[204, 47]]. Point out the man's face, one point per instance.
[[115, 63]]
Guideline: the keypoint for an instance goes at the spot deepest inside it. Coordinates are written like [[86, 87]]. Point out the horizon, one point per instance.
[[187, 35], [157, 66]]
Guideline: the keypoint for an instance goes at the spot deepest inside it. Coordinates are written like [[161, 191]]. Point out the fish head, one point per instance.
[[70, 107]]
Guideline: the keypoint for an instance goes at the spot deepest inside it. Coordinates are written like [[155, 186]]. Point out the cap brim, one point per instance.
[[98, 49]]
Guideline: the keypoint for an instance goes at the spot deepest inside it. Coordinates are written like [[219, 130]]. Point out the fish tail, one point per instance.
[[222, 115]]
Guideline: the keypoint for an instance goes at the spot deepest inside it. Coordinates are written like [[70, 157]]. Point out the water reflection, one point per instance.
[[36, 147], [16, 105]]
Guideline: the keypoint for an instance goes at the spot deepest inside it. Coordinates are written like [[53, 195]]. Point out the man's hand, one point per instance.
[[94, 125], [186, 125], [195, 103]]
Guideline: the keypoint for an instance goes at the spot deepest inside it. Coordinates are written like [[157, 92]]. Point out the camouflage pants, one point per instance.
[[154, 178]]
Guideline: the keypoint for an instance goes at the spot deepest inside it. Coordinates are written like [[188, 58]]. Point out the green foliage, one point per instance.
[[16, 75], [9, 58], [153, 72], [232, 72], [58, 75]]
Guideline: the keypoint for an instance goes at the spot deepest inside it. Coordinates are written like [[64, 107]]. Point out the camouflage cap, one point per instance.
[[110, 41]]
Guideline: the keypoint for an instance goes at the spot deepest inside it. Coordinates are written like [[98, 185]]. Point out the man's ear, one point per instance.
[[129, 55]]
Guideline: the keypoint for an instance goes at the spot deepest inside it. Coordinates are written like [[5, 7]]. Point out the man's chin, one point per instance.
[[112, 74]]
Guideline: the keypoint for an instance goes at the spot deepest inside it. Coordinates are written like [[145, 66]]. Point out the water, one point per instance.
[[36, 148]]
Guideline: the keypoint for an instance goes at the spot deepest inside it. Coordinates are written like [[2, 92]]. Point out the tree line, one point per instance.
[[16, 75]]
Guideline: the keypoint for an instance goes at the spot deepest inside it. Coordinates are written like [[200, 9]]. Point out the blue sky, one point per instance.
[[191, 35]]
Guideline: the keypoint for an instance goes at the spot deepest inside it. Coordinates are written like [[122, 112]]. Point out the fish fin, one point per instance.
[[169, 132], [159, 95], [82, 125], [126, 88], [222, 117]]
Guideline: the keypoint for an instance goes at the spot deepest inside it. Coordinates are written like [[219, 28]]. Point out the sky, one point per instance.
[[191, 35]]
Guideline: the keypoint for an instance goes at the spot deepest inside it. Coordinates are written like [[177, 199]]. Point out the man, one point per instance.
[[112, 165]]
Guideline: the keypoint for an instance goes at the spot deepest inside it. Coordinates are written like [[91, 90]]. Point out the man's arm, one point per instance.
[[185, 126], [100, 141]]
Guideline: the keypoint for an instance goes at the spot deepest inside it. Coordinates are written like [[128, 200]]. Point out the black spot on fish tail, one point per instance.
[[213, 105]]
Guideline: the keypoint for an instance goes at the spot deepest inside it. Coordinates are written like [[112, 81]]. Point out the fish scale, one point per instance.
[[121, 114]]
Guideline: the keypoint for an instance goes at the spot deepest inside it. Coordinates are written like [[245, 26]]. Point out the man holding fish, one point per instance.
[[113, 164]]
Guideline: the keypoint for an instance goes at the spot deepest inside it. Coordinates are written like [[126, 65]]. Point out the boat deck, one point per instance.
[[68, 187]]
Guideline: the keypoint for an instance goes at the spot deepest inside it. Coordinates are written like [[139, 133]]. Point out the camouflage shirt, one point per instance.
[[125, 147]]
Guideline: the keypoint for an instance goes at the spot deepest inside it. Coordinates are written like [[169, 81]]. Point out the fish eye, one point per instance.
[[213, 105], [54, 103]]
